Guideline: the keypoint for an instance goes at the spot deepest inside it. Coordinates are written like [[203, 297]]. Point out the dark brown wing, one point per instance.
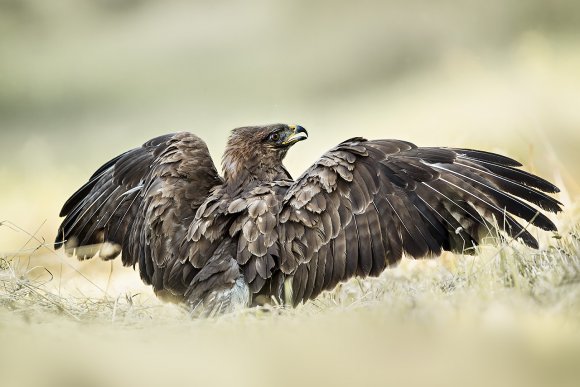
[[365, 203], [140, 203]]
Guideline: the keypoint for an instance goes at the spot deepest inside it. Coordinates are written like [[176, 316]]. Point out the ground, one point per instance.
[[509, 316]]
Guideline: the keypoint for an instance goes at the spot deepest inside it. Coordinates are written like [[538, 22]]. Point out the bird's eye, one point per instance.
[[275, 137]]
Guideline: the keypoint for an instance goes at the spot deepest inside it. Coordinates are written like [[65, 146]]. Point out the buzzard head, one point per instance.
[[258, 151], [283, 136]]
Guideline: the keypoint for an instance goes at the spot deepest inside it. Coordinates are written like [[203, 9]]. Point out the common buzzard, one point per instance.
[[223, 243]]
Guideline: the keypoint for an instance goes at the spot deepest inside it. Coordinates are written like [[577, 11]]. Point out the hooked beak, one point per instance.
[[298, 134]]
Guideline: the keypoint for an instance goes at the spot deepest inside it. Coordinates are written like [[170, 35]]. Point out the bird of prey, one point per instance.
[[220, 243]]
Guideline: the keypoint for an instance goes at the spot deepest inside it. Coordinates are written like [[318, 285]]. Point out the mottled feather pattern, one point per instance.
[[138, 201], [389, 197], [223, 243]]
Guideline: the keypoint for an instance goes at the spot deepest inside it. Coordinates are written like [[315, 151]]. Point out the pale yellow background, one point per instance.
[[81, 81]]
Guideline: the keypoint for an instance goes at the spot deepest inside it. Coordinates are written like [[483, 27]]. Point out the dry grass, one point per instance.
[[510, 316]]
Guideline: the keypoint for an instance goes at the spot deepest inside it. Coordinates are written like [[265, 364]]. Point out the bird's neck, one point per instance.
[[250, 172]]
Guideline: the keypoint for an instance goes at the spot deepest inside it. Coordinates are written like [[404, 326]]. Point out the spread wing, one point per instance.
[[139, 203], [365, 203]]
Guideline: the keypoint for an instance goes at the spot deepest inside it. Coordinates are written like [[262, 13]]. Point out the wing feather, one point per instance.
[[139, 201], [364, 245], [365, 203]]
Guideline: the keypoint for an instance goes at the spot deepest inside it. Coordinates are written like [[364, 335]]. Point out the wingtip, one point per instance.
[[59, 240], [62, 212], [532, 243]]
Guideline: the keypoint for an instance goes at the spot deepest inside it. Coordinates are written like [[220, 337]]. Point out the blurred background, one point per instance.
[[83, 80]]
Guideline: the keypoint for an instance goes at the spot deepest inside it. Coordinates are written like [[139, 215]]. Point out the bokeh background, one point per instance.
[[84, 80]]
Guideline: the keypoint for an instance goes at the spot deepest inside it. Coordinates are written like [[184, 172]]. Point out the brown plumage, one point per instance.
[[223, 243]]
